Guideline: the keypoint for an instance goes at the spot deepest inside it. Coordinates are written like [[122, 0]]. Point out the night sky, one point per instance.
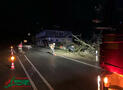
[[18, 17]]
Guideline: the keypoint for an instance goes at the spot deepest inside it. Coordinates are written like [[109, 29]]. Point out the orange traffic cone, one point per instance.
[[12, 66], [54, 54]]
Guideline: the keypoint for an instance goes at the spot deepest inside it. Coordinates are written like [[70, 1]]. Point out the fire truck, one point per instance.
[[111, 60]]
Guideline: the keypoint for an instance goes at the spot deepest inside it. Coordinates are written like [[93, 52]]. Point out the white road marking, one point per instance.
[[32, 83], [81, 62], [41, 76]]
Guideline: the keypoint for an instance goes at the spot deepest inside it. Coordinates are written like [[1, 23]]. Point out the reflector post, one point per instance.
[[98, 82]]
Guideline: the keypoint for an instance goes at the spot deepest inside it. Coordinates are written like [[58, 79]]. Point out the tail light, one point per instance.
[[106, 82]]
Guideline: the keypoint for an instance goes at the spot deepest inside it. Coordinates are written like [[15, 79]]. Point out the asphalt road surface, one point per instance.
[[48, 72]]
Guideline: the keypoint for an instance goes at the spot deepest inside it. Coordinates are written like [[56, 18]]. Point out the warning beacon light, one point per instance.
[[12, 58], [11, 47]]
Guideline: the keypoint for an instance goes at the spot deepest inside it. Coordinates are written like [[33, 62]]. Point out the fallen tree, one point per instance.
[[84, 47]]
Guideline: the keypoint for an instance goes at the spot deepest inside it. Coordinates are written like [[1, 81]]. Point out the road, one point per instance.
[[48, 72]]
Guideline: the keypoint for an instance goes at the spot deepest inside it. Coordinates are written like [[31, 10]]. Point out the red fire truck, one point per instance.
[[111, 60]]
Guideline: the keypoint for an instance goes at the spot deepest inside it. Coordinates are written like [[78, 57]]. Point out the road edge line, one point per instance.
[[31, 81], [80, 62], [41, 76], [75, 60]]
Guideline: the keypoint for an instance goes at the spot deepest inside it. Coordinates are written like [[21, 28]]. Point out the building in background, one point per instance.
[[53, 36]]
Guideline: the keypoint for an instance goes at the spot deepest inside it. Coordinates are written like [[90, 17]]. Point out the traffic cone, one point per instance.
[[12, 53], [54, 54], [12, 66]]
